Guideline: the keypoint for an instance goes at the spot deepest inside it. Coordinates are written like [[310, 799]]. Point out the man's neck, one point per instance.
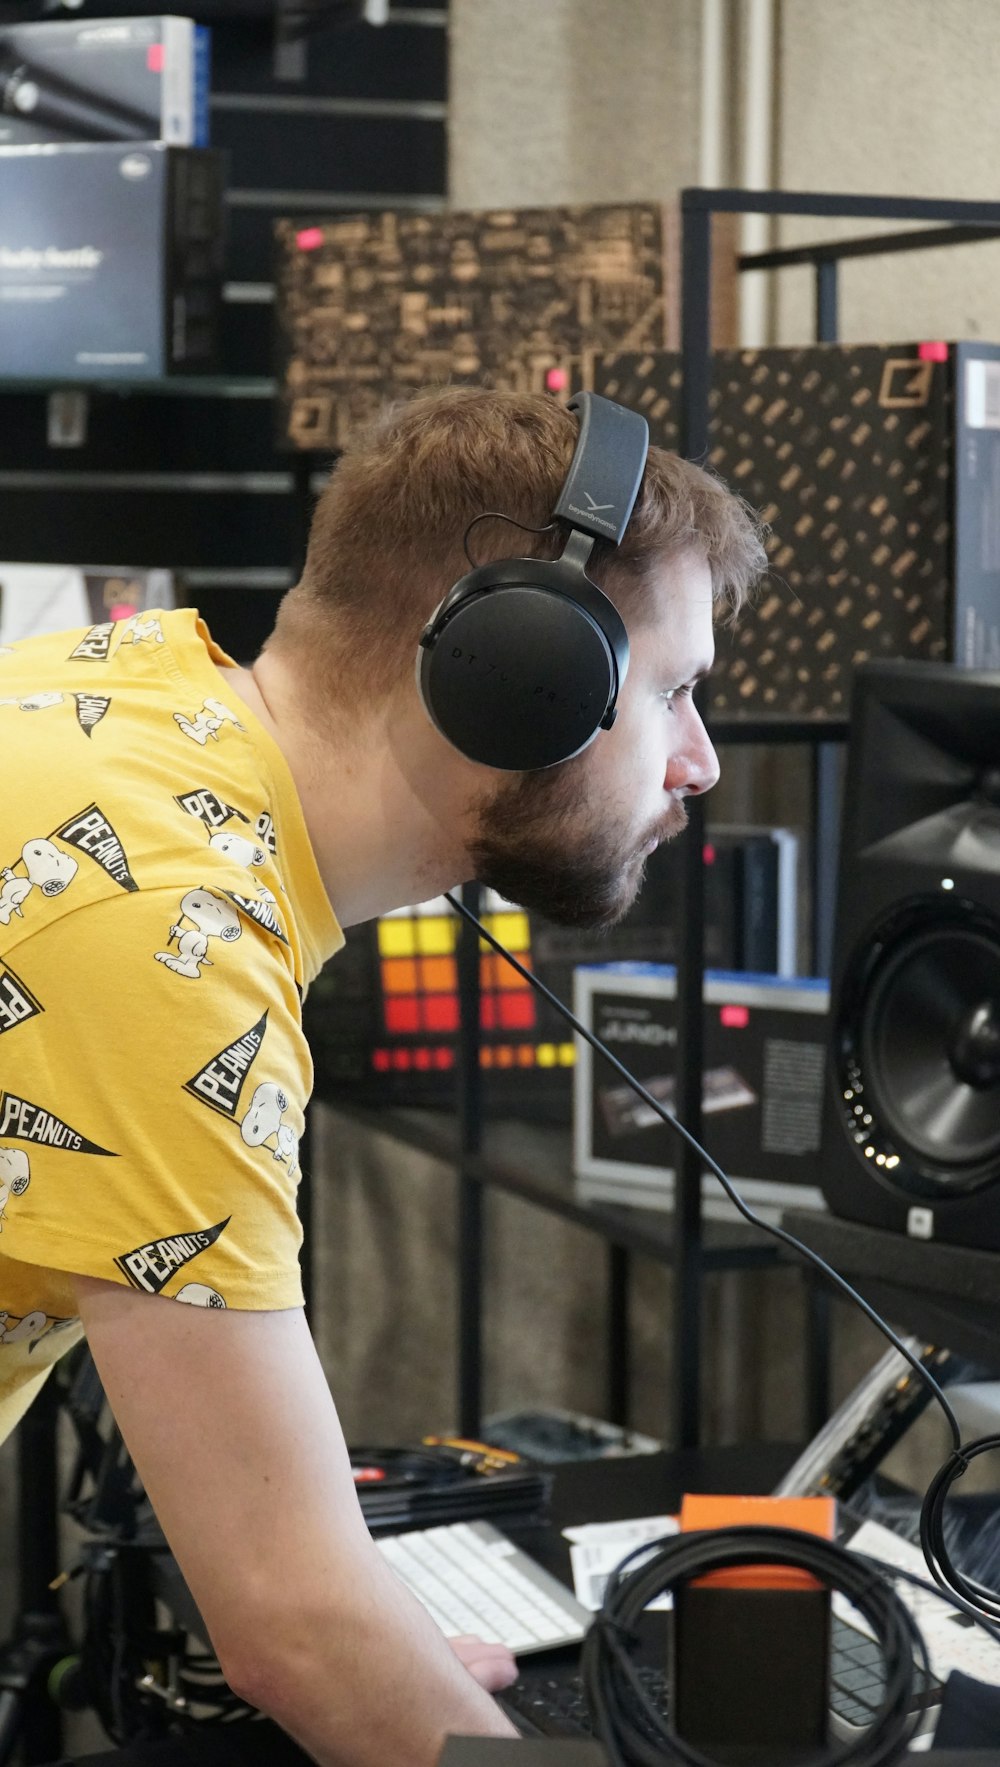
[[383, 805]]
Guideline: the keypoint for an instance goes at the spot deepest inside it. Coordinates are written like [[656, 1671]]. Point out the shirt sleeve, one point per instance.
[[152, 1099]]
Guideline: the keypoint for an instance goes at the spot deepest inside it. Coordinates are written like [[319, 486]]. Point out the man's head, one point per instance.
[[386, 546]]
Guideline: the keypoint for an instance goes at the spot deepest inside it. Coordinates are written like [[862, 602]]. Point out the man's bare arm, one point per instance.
[[230, 1422]]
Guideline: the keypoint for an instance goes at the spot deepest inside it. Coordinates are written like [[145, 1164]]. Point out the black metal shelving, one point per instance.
[[959, 222], [684, 1244]]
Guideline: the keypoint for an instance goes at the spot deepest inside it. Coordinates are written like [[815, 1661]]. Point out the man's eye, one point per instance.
[[670, 694]]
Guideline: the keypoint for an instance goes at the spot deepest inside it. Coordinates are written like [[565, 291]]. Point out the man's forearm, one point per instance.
[[368, 1682]]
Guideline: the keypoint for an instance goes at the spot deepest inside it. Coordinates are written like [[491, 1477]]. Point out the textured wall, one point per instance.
[[556, 101], [897, 98]]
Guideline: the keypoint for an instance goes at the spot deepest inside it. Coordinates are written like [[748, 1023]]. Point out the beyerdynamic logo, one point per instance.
[[592, 513]]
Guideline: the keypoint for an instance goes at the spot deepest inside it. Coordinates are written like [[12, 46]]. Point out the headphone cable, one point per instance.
[[980, 1604]]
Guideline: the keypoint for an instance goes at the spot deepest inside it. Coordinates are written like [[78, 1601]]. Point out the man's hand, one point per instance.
[[492, 1665]]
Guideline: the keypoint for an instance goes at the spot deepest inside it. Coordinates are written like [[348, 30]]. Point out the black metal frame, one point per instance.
[[963, 221]]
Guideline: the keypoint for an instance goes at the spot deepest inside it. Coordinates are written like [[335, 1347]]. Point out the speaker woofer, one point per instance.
[[920, 1048]]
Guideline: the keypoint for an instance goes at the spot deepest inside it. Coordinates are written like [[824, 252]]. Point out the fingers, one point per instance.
[[492, 1665]]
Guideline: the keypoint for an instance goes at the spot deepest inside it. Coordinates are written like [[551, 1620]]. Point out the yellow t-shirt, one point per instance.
[[161, 915]]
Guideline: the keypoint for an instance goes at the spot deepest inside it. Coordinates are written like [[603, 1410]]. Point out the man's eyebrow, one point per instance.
[[698, 674]]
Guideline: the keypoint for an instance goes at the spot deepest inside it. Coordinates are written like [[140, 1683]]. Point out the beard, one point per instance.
[[535, 844]]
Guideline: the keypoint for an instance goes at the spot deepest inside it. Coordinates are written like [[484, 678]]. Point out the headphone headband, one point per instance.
[[610, 458]]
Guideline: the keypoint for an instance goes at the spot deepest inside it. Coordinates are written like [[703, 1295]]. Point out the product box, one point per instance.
[[371, 308], [764, 1060], [110, 261], [876, 467], [105, 79]]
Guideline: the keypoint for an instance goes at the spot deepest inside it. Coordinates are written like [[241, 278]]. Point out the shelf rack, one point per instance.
[[685, 1244], [957, 223]]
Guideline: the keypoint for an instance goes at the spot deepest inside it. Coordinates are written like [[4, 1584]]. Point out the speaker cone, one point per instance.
[[921, 1050]]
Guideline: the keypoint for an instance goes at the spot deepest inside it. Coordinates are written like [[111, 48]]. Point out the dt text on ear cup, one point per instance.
[[522, 664]]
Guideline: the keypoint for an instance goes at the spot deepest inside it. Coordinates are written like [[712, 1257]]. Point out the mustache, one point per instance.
[[673, 824]]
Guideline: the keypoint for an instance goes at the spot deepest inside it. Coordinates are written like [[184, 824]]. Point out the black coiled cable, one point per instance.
[[633, 1732], [974, 1598]]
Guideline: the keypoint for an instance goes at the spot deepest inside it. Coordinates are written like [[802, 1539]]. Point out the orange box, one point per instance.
[[811, 1515], [750, 1651]]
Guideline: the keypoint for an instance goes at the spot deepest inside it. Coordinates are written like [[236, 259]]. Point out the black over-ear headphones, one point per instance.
[[521, 663]]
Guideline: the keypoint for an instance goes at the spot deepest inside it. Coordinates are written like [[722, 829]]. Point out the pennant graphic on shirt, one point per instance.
[[264, 830], [20, 1120], [90, 709], [220, 1082], [17, 1003], [95, 646], [260, 911], [150, 1266], [211, 810], [92, 833]]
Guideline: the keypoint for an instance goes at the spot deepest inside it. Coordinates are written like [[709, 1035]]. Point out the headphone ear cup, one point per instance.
[[516, 669]]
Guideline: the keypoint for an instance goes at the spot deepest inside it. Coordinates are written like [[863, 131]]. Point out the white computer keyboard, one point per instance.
[[471, 1578]]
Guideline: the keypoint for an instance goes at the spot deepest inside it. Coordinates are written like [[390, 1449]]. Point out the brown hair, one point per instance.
[[386, 538]]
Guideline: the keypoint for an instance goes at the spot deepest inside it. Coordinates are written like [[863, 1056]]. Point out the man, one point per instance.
[[185, 841]]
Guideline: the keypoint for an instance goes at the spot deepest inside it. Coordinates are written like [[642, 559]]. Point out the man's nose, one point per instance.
[[694, 768]]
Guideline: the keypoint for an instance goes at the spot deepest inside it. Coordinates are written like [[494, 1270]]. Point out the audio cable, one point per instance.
[[981, 1604], [634, 1732]]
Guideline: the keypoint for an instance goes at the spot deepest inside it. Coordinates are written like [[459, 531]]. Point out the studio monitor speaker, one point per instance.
[[911, 1134]]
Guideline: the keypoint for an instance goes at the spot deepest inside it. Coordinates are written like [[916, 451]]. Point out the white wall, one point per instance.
[[892, 97], [558, 101]]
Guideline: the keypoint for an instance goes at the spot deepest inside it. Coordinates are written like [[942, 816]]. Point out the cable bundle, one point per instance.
[[631, 1729]]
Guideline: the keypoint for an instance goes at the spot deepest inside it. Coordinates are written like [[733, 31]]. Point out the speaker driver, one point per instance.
[[922, 1056]]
